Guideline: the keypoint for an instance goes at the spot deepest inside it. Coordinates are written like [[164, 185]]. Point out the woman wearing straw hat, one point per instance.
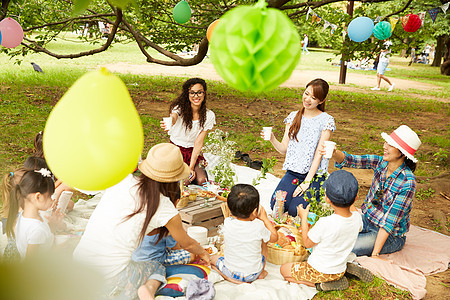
[[126, 213], [388, 204]]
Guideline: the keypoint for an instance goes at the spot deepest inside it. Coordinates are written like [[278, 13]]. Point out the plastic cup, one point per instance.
[[329, 148], [267, 133], [167, 122], [198, 233]]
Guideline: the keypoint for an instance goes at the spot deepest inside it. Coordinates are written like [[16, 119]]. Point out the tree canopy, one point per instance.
[[150, 24]]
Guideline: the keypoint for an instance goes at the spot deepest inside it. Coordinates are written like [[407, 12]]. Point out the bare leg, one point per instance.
[[378, 80], [264, 251], [148, 290], [385, 79], [200, 175]]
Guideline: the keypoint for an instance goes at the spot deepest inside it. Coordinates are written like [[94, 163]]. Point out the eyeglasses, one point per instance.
[[193, 94]]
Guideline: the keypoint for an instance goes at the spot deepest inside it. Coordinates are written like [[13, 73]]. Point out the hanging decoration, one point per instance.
[[422, 17], [182, 12], [210, 29], [393, 21], [309, 11], [360, 29], [411, 22], [382, 30], [11, 32], [433, 13], [445, 7], [93, 136], [255, 48]]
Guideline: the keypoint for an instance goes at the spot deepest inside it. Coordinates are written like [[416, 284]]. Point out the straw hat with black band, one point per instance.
[[404, 139], [164, 163]]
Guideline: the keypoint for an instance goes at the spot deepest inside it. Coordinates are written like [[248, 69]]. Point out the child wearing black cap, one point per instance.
[[332, 239]]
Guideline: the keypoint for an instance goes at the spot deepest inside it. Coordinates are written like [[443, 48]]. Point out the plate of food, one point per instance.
[[206, 194], [211, 249]]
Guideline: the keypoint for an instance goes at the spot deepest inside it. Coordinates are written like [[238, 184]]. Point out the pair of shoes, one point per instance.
[[337, 285], [361, 273], [391, 87], [244, 156], [255, 164], [375, 88]]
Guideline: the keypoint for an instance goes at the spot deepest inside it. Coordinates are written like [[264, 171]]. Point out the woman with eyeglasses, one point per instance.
[[388, 204], [191, 121]]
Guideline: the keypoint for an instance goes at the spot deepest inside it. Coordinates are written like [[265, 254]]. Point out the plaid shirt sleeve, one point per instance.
[[396, 210], [359, 161]]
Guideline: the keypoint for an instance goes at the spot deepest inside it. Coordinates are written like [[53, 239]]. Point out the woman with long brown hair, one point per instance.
[[126, 213], [305, 130], [191, 121]]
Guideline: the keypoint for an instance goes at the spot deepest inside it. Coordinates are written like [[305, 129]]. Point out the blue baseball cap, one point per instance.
[[341, 187]]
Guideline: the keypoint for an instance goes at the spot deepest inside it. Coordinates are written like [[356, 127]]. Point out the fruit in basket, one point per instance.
[[283, 240]]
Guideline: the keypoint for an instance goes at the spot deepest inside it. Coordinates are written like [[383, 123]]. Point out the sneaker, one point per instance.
[[375, 88], [337, 285], [391, 87], [361, 273]]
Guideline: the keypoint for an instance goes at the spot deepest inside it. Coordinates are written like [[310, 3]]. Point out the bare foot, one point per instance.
[[144, 293], [263, 274]]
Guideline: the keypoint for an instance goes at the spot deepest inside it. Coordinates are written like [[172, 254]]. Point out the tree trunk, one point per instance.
[[343, 69], [445, 67], [439, 51]]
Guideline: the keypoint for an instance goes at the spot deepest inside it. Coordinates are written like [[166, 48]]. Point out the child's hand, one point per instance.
[[262, 214], [55, 220], [205, 259], [163, 125], [303, 212]]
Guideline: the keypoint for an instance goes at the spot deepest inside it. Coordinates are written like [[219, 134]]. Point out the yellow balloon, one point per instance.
[[93, 137]]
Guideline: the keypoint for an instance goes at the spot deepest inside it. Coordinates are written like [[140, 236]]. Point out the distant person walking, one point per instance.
[[305, 44], [413, 56], [381, 68]]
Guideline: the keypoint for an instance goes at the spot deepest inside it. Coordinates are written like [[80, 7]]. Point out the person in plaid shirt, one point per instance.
[[388, 204]]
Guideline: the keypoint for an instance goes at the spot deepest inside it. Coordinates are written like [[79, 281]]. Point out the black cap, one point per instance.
[[341, 187]]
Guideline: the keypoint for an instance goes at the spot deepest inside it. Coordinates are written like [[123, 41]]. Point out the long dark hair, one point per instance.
[[31, 182], [409, 163], [184, 105], [38, 148], [149, 191], [320, 90]]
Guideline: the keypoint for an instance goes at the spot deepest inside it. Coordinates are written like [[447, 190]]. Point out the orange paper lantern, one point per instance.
[[411, 23], [210, 29]]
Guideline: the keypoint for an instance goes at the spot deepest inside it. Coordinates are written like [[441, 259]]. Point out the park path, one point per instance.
[[299, 78]]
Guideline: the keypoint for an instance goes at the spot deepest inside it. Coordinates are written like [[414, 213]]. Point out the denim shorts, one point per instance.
[[237, 275], [381, 69]]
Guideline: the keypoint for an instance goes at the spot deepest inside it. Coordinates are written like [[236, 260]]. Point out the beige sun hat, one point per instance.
[[404, 139], [164, 163]]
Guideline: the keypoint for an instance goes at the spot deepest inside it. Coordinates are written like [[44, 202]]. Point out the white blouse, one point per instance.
[[300, 154], [181, 136]]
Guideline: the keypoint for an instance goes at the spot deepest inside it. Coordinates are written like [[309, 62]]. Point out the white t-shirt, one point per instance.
[[108, 242], [384, 56], [179, 135], [243, 245], [32, 232], [335, 237]]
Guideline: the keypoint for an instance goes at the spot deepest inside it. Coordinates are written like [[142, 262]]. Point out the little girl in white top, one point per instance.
[[33, 194], [304, 131]]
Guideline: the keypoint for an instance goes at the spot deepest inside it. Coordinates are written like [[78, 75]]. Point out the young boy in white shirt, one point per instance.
[[332, 239], [246, 234]]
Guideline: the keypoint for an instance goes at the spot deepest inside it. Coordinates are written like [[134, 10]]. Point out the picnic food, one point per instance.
[[206, 194]]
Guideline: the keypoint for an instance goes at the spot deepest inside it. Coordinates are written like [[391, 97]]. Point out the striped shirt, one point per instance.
[[392, 212]]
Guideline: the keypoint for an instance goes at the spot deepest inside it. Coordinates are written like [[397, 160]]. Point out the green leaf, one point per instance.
[[80, 6]]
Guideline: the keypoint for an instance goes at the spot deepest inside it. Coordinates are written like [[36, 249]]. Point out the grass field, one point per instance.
[[27, 99]]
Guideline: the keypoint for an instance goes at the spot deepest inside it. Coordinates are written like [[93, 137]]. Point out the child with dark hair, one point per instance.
[[332, 239], [33, 194], [246, 234]]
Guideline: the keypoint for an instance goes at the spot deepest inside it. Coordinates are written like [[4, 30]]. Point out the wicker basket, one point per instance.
[[279, 256]]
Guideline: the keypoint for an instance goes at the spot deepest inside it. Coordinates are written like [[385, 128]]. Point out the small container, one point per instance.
[[193, 191]]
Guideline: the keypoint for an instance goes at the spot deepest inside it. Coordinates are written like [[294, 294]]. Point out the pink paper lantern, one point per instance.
[[12, 33]]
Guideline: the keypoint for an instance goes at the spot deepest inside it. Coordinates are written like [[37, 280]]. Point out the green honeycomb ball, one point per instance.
[[255, 48], [382, 30]]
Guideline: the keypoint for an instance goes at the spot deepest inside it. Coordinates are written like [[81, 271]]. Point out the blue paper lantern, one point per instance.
[[382, 30], [360, 29], [0, 37]]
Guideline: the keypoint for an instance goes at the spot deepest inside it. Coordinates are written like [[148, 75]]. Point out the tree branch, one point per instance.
[[399, 11], [36, 47], [4, 10], [70, 20]]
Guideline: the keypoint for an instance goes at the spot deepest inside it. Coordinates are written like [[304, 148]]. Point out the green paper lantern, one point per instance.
[[182, 12], [382, 30], [255, 48]]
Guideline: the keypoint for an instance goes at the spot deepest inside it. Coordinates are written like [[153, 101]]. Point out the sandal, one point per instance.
[[361, 273], [256, 164], [245, 157], [336, 285], [238, 154]]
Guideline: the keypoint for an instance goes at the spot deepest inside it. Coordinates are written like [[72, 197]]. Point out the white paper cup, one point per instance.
[[267, 133], [198, 233], [329, 148], [167, 122]]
